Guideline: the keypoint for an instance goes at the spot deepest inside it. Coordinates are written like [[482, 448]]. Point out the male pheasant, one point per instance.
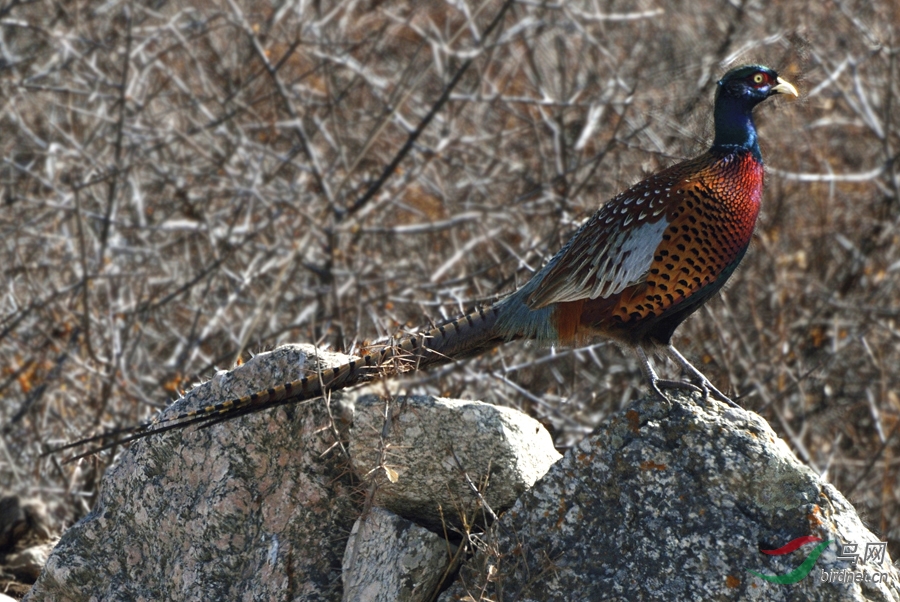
[[644, 262], [655, 253]]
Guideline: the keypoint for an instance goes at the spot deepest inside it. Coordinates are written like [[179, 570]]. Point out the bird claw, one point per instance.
[[659, 384], [698, 377], [718, 395], [700, 384], [703, 387]]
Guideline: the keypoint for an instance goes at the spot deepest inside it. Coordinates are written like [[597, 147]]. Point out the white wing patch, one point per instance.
[[612, 251], [602, 271], [626, 260]]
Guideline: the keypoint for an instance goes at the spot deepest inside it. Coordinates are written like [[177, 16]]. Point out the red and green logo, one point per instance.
[[805, 567]]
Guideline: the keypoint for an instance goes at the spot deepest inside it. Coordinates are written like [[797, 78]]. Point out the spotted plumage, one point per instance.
[[662, 245], [655, 253], [632, 273]]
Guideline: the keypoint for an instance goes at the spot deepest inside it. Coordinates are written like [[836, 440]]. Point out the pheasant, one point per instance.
[[644, 262]]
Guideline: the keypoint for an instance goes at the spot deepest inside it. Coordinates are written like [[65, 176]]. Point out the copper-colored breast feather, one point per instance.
[[615, 248], [671, 237]]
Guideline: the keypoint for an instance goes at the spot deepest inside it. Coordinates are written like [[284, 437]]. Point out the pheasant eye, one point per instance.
[[759, 78]]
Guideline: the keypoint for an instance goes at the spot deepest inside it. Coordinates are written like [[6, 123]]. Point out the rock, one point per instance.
[[674, 501], [255, 508], [667, 500], [390, 559], [502, 450]]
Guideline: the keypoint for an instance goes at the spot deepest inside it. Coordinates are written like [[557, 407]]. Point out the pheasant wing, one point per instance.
[[613, 250]]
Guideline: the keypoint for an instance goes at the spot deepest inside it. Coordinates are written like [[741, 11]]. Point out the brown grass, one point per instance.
[[175, 185]]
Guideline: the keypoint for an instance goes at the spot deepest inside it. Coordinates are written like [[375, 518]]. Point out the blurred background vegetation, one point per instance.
[[185, 187]]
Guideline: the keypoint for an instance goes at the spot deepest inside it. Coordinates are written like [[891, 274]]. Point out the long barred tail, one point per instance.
[[470, 335]]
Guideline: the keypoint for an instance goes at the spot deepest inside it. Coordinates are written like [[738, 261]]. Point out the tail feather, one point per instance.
[[517, 320], [467, 336]]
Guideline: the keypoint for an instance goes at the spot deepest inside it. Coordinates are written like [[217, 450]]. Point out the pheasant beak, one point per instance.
[[784, 87]]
